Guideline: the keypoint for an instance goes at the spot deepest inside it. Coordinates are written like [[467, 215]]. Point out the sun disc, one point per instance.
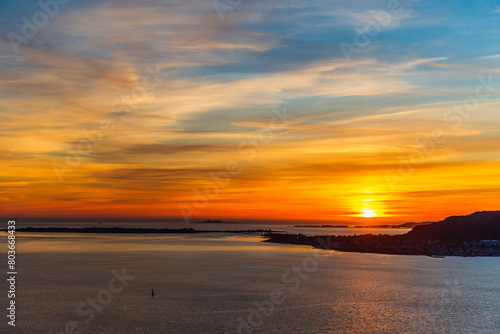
[[368, 213]]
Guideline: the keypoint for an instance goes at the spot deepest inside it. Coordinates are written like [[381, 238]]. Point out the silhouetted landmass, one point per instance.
[[322, 226], [405, 225], [474, 235], [132, 230], [216, 222], [478, 226], [412, 225]]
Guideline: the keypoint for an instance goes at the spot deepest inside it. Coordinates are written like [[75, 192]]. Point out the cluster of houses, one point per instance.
[[386, 244]]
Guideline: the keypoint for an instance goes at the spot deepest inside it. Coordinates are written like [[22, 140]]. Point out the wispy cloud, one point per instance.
[[351, 121]]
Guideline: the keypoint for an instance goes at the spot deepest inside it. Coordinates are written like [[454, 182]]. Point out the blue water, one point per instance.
[[289, 228], [216, 283]]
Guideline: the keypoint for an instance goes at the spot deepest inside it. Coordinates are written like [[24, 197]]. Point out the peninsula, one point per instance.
[[135, 230], [477, 234]]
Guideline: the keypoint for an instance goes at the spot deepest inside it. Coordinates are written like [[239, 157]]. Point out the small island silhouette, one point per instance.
[[215, 222], [133, 230], [405, 225]]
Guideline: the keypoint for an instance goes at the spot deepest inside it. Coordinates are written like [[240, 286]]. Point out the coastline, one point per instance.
[[477, 234], [133, 230], [393, 245]]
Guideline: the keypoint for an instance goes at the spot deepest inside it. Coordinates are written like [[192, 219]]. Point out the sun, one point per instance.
[[367, 204], [368, 213]]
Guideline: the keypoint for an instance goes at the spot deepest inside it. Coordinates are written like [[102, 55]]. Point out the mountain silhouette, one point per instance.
[[478, 226]]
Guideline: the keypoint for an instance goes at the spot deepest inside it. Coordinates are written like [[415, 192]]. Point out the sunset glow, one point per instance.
[[259, 117], [368, 213], [230, 166]]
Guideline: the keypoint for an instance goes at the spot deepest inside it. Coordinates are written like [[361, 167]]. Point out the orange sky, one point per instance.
[[171, 111]]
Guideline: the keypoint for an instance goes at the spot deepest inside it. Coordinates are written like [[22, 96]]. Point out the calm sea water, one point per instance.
[[216, 226], [220, 283]]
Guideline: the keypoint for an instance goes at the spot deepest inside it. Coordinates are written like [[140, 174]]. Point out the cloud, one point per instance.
[[349, 122]]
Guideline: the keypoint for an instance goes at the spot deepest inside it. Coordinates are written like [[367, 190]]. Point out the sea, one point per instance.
[[235, 283]]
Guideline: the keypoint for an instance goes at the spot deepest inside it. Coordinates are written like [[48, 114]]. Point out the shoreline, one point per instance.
[[419, 241], [130, 230], [390, 245]]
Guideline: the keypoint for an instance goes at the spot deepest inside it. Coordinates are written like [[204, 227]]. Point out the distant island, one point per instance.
[[477, 234], [216, 222], [134, 230], [322, 226], [405, 225]]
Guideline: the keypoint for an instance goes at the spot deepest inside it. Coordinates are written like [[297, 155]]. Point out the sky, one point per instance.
[[336, 111]]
